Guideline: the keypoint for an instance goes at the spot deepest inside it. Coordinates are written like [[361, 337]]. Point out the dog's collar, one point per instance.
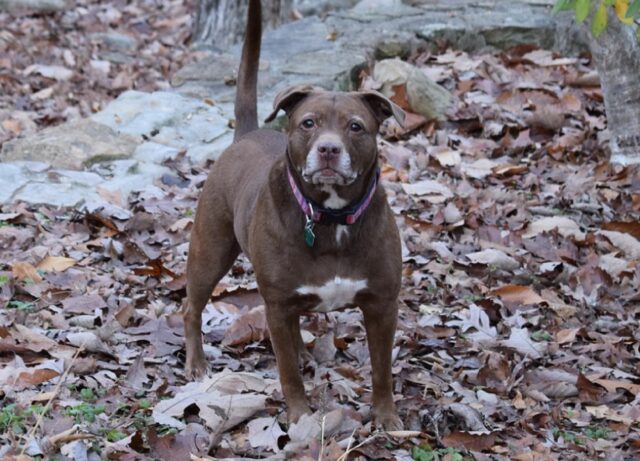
[[321, 215]]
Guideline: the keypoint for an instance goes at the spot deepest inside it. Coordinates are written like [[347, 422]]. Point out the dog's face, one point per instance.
[[332, 136]]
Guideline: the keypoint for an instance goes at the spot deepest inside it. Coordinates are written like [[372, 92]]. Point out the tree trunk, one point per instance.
[[220, 23], [617, 56]]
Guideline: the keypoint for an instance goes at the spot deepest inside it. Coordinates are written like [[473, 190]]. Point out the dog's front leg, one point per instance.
[[380, 322], [284, 330]]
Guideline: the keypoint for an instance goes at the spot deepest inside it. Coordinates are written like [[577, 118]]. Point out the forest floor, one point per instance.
[[67, 65], [518, 336]]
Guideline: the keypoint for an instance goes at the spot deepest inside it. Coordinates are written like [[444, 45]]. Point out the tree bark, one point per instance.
[[220, 23], [617, 56]]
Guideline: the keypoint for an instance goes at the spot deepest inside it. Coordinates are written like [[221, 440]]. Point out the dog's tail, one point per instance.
[[246, 110]]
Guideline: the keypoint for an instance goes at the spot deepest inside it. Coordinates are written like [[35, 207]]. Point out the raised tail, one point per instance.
[[246, 109]]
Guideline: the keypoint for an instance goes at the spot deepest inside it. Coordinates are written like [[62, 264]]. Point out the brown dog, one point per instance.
[[309, 212]]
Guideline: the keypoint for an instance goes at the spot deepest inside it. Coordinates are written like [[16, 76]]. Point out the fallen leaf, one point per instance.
[[493, 257], [477, 319], [59, 73], [37, 376], [631, 228], [428, 187], [567, 335], [249, 327], [517, 294], [25, 271], [625, 242], [479, 169], [219, 410], [565, 227], [56, 263], [264, 433], [520, 340], [469, 441]]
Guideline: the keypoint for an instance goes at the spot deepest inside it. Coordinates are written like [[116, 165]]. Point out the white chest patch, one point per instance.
[[334, 294], [341, 231], [334, 201]]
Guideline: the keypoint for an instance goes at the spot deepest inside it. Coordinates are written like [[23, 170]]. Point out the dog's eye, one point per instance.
[[308, 123], [355, 127]]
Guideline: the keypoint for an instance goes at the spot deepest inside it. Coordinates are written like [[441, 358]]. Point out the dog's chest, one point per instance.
[[335, 293]]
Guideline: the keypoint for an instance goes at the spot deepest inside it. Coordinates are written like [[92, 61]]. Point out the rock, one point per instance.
[[145, 115], [44, 6], [128, 176], [393, 48], [319, 7], [60, 188], [424, 96], [11, 178], [72, 145], [115, 40], [169, 119], [200, 153], [153, 152], [370, 9]]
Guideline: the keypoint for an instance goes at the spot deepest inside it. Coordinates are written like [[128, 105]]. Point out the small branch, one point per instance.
[[56, 390]]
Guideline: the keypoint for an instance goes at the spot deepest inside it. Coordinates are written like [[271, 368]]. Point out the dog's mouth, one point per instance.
[[329, 176]]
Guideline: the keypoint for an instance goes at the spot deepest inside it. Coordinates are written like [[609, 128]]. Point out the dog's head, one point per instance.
[[332, 135]]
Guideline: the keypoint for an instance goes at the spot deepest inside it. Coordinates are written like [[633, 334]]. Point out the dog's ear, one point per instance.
[[288, 98], [382, 107]]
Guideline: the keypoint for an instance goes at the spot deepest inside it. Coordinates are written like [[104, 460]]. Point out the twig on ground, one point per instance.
[[56, 390]]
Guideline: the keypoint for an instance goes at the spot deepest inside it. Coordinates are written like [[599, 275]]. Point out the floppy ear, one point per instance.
[[288, 98], [382, 107]]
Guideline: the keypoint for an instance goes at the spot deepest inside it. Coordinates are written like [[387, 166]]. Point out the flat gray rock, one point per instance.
[[165, 117], [72, 145], [115, 40]]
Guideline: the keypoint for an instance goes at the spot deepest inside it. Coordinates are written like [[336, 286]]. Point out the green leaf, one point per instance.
[[422, 453], [634, 9], [599, 23], [564, 5], [582, 10]]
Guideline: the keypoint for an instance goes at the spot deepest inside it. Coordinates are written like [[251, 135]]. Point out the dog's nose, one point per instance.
[[329, 149]]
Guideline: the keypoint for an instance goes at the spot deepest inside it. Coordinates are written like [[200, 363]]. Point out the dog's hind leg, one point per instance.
[[212, 251]]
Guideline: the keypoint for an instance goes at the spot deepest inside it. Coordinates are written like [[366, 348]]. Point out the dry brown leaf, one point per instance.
[[612, 385], [517, 294], [56, 263], [249, 327], [468, 441], [588, 390], [632, 228], [23, 270], [567, 335], [37, 376]]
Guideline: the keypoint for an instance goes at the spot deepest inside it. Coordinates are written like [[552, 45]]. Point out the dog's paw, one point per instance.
[[389, 421], [196, 367], [295, 412]]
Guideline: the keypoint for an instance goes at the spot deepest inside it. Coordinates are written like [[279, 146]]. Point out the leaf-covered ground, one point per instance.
[[518, 334], [58, 67]]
